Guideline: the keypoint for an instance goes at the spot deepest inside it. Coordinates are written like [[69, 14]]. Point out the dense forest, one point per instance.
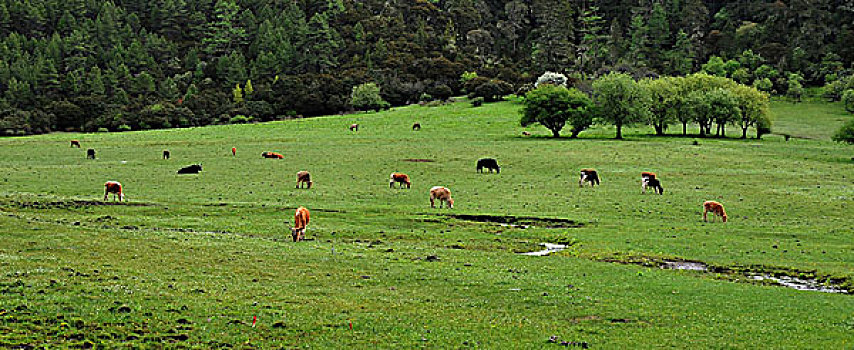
[[136, 64]]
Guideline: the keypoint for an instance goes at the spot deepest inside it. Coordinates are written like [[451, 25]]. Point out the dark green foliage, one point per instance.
[[492, 90], [133, 54]]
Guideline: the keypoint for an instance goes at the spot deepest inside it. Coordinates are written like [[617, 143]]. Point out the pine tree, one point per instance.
[[638, 41], [248, 90], [224, 33], [237, 92]]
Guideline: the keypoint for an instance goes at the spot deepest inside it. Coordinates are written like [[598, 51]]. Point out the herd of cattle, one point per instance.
[[440, 193]]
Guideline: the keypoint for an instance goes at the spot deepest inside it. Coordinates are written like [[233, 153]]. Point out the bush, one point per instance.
[[367, 97], [124, 127], [441, 92], [425, 97], [493, 90], [553, 78], [848, 100], [477, 102], [239, 119], [103, 130], [845, 133]]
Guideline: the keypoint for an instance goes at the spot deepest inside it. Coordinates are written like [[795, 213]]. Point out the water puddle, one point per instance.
[[684, 265], [521, 222], [550, 248], [800, 283]]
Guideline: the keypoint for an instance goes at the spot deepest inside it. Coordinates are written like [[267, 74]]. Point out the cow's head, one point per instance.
[[451, 203]]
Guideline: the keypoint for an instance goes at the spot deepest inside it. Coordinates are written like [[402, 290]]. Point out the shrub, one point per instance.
[[124, 127], [553, 78], [425, 97], [848, 100], [239, 119], [845, 133], [493, 90], [441, 92], [103, 130], [477, 102], [367, 97]]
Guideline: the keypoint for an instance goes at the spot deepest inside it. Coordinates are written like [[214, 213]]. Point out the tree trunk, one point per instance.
[[723, 130], [743, 132], [555, 133], [659, 129], [619, 132], [702, 130], [574, 134], [684, 128]]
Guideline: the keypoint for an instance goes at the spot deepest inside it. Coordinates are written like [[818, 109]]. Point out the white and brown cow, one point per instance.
[[303, 177], [645, 177], [443, 195]]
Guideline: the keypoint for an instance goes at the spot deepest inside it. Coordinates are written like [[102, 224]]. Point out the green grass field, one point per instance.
[[189, 260]]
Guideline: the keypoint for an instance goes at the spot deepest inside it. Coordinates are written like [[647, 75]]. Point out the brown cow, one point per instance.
[[234, 151], [115, 188], [443, 195], [272, 155], [300, 222], [400, 178], [75, 143], [526, 133], [303, 177], [354, 127], [588, 175], [716, 209]]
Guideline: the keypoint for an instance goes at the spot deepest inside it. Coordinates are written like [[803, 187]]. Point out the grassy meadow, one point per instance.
[[190, 261]]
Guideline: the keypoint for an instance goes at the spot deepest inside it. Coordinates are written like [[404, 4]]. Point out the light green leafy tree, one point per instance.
[[621, 101], [554, 106]]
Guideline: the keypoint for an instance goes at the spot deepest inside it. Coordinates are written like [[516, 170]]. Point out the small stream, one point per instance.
[[808, 284]]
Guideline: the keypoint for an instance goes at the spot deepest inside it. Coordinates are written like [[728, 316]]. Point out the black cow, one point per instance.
[[192, 169], [488, 163], [166, 154], [416, 126], [655, 184], [90, 153], [588, 175]]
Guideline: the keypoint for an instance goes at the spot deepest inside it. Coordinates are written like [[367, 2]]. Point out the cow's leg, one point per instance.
[[432, 203], [705, 211]]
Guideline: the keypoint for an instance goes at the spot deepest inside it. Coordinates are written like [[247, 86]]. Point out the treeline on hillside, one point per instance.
[[137, 64]]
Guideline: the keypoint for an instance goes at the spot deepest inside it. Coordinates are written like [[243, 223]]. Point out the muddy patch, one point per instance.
[[549, 248], [419, 160], [521, 222], [684, 265], [74, 204]]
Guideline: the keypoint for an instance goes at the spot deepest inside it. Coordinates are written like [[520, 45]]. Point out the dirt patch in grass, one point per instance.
[[419, 160], [520, 221], [73, 204]]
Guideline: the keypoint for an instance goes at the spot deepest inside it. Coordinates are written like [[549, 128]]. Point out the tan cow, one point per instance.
[[115, 188], [300, 222], [303, 177], [443, 195], [400, 178], [716, 209]]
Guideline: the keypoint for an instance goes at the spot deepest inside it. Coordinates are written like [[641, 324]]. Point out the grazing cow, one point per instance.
[[234, 151], [75, 143], [192, 169], [115, 188], [300, 222], [272, 155], [90, 153], [655, 184], [400, 178], [354, 127], [416, 126], [645, 176], [166, 154], [303, 177], [588, 175], [443, 195], [525, 133], [716, 209], [488, 163]]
